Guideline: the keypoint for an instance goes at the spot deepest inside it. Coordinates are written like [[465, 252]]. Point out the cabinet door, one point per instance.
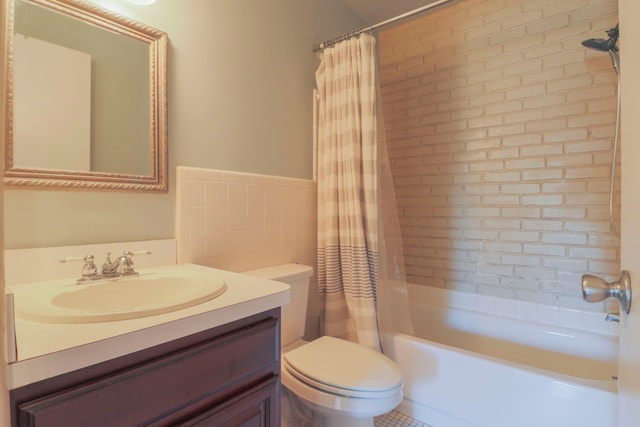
[[256, 407]]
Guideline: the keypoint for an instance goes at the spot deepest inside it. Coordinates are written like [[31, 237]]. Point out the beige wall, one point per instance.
[[241, 74], [500, 126]]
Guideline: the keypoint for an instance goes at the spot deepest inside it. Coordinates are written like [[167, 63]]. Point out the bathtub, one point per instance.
[[467, 367]]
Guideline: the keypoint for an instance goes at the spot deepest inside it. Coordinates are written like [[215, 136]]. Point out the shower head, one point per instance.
[[608, 45], [602, 44]]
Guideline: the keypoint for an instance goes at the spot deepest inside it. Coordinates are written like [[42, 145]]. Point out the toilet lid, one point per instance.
[[344, 365]]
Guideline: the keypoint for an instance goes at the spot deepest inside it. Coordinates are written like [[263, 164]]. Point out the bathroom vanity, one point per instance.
[[227, 375], [214, 363]]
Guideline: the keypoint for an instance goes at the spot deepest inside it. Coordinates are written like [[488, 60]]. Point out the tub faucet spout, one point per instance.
[[612, 317]]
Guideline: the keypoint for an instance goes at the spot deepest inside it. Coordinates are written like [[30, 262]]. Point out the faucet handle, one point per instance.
[[126, 261], [140, 252], [128, 255], [75, 259], [89, 269]]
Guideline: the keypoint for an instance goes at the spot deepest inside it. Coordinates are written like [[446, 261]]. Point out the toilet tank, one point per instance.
[[294, 314]]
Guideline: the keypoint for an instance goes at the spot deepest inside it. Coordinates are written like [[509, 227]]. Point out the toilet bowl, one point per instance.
[[342, 383]]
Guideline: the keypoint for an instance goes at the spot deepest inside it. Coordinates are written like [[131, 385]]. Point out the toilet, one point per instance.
[[341, 383]]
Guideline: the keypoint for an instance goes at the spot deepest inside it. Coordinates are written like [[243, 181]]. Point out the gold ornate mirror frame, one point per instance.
[[157, 42]]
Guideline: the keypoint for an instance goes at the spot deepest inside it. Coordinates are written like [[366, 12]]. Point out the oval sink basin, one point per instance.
[[121, 299]]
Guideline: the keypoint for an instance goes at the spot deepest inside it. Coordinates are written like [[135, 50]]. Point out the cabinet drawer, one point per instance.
[[154, 390]]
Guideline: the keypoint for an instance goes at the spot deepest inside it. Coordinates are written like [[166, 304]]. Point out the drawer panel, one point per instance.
[[142, 394]]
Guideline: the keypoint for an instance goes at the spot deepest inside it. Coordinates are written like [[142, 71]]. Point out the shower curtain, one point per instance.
[[348, 190]]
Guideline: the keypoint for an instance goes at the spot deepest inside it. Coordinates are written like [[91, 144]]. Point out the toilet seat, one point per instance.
[[344, 368], [338, 390]]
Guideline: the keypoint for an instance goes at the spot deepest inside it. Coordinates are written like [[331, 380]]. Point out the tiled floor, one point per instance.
[[396, 419]]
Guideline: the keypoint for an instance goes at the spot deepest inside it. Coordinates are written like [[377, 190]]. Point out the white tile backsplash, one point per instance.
[[239, 221]]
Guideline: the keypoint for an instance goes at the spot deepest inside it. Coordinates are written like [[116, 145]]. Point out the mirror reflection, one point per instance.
[[89, 98]]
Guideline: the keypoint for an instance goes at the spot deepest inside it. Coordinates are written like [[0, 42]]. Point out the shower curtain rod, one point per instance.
[[359, 31]]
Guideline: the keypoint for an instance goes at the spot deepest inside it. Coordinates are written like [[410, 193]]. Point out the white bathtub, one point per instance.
[[469, 368]]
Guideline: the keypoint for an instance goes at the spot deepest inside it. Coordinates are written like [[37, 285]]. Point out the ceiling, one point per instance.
[[375, 11]]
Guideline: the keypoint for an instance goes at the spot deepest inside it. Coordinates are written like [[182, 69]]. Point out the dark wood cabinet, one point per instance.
[[250, 409], [225, 376]]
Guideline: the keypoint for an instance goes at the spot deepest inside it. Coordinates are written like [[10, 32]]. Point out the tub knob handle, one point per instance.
[[595, 289]]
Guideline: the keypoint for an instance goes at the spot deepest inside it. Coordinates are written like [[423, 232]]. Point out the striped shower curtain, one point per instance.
[[347, 190]]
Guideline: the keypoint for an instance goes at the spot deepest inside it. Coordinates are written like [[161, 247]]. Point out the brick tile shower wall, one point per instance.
[[500, 131]]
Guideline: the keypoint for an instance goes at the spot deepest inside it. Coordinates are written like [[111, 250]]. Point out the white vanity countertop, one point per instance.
[[45, 350]]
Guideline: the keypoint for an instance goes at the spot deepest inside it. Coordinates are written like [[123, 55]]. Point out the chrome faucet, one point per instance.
[[121, 267]]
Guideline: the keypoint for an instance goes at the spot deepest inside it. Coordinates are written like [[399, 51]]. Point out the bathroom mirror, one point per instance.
[[86, 103]]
